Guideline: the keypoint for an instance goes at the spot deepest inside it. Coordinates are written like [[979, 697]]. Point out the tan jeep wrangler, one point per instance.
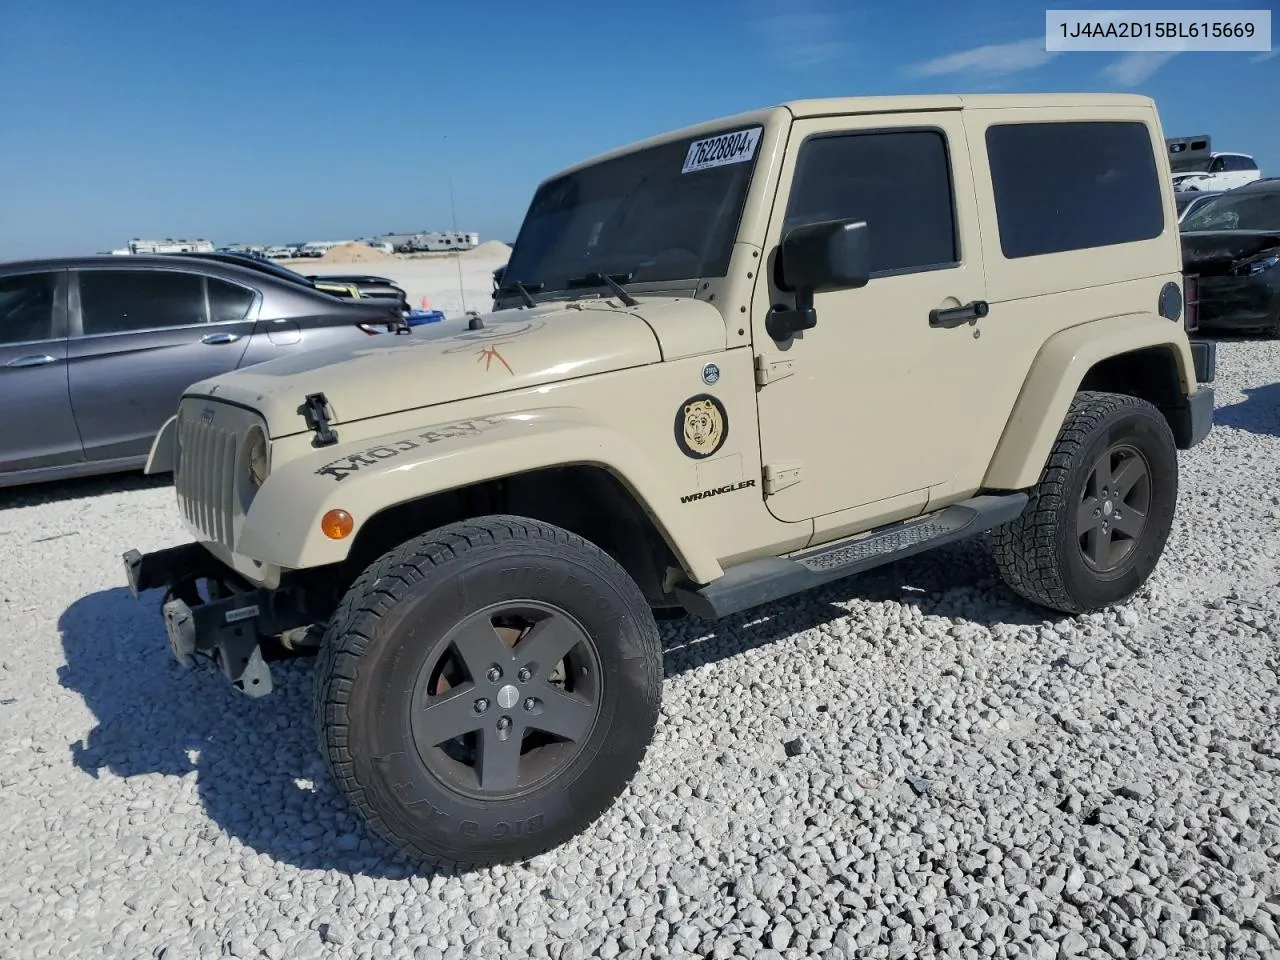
[[724, 365]]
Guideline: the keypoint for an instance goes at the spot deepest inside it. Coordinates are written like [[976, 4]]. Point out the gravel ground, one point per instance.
[[908, 765]]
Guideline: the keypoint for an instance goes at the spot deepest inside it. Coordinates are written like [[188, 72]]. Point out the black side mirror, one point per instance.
[[830, 255]]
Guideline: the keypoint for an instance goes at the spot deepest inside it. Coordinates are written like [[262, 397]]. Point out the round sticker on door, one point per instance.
[[702, 426]]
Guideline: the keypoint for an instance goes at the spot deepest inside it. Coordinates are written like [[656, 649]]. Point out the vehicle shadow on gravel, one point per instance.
[[58, 491], [1258, 412], [258, 774]]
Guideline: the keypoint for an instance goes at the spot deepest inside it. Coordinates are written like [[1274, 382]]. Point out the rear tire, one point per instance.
[[1099, 517], [531, 646]]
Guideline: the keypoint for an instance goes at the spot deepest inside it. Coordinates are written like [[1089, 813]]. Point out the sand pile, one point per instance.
[[357, 253], [490, 248]]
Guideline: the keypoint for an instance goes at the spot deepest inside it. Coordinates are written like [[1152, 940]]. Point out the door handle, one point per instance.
[[220, 338], [31, 361], [954, 316]]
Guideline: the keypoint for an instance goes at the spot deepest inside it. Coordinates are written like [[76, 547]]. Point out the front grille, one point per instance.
[[205, 478]]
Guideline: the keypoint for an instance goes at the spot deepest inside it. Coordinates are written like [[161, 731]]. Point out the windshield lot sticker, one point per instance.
[[727, 148], [344, 467], [702, 426]]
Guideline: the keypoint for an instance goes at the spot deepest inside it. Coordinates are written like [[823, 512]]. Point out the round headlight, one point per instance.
[[256, 458]]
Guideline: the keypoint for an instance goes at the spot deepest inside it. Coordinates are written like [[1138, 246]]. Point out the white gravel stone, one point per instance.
[[1099, 786]]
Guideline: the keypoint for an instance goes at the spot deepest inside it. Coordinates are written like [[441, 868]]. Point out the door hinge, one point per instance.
[[783, 474], [770, 372]]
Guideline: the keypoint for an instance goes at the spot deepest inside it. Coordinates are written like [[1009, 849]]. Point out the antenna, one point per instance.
[[457, 256]]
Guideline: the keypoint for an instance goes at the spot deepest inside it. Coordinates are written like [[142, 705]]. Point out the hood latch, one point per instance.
[[315, 411]]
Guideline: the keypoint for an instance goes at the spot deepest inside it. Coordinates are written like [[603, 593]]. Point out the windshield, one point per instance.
[[669, 212], [1260, 211]]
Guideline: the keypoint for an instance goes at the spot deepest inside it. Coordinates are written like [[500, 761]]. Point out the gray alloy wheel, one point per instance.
[[1113, 507], [506, 700]]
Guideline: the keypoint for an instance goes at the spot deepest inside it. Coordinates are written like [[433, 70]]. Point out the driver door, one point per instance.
[[862, 414], [39, 429]]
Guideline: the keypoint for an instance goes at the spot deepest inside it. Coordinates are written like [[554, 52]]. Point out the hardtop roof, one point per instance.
[[849, 106]]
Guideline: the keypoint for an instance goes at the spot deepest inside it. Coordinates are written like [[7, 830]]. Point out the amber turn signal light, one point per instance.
[[337, 524]]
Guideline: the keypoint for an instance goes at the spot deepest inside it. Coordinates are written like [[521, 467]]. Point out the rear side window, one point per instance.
[[899, 182], [26, 307], [1073, 186], [120, 301], [228, 301]]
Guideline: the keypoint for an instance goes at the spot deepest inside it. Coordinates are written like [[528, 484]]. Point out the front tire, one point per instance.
[[1098, 519], [486, 691]]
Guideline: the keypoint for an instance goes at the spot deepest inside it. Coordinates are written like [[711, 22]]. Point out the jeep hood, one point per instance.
[[513, 350], [1211, 253]]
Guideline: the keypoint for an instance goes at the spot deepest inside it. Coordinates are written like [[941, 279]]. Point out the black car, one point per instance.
[[1187, 200], [369, 287], [1231, 245], [95, 352]]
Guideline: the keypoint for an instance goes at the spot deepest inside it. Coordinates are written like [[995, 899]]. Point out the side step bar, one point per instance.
[[762, 581]]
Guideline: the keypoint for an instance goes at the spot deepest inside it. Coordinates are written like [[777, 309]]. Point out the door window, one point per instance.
[[228, 302], [26, 307], [1238, 164], [899, 182], [122, 301]]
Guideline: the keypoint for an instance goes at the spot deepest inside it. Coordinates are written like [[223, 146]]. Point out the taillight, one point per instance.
[[1191, 301]]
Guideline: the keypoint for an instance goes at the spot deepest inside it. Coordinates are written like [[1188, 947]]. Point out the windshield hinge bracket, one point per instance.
[[785, 473], [315, 411], [771, 372]]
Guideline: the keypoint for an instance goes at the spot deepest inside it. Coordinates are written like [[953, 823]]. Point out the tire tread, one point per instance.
[[373, 594], [1025, 550]]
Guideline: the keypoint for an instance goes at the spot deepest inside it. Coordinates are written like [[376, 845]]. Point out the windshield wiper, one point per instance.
[[613, 281], [526, 291]]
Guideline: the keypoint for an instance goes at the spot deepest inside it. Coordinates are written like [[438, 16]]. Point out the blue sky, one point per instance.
[[253, 121]]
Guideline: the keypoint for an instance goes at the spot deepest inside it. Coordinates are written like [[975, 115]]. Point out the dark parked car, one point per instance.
[[96, 351], [1188, 200], [1232, 244], [367, 286]]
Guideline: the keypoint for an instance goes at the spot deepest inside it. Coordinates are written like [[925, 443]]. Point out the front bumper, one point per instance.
[[228, 628]]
